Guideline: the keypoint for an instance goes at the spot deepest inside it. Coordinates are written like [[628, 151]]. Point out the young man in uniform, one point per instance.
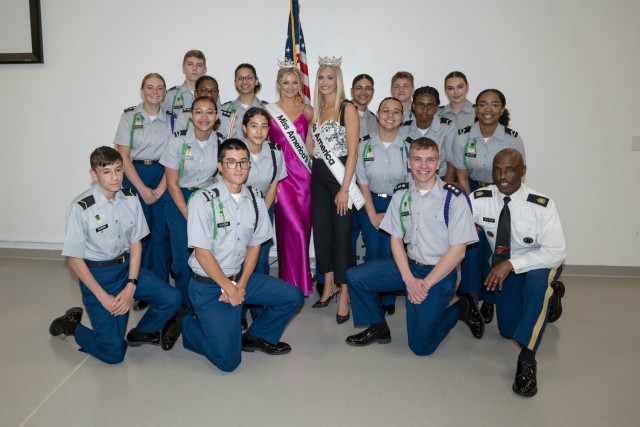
[[226, 225], [402, 87], [434, 221], [525, 235], [104, 228], [178, 99]]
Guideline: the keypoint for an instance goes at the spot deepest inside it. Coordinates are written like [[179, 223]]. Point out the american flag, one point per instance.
[[295, 49]]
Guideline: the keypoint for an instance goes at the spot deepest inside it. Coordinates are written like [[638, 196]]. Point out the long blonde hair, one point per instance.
[[318, 103]]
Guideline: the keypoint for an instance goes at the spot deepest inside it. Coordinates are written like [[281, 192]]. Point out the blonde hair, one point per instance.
[[282, 73], [318, 103]]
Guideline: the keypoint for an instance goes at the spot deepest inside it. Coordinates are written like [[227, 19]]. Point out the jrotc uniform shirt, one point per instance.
[[227, 112], [407, 118], [537, 240], [266, 168], [470, 151], [147, 138], [382, 168], [184, 118], [368, 122], [419, 220], [218, 223], [442, 131], [178, 102], [466, 116], [196, 164], [100, 230]]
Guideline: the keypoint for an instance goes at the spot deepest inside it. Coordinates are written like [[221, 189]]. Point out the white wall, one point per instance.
[[569, 71]]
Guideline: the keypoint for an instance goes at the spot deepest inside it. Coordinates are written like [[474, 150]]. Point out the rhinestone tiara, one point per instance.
[[333, 61], [287, 63]]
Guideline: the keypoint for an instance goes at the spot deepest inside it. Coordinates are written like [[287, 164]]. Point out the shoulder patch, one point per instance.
[[401, 186], [478, 194], [87, 202], [445, 121], [126, 110], [275, 147], [129, 191], [182, 132], [454, 189], [464, 130], [365, 138], [510, 131], [538, 200]]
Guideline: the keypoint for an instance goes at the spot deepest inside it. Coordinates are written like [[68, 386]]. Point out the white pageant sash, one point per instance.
[[337, 168], [289, 131]]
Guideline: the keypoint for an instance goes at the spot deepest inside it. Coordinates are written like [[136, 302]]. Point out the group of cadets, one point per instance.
[[190, 190]]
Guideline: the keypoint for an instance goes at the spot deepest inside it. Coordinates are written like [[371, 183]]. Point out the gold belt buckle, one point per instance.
[[147, 162]]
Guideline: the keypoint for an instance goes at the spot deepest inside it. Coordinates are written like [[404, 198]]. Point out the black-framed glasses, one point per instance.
[[420, 106], [233, 164], [206, 92], [249, 79]]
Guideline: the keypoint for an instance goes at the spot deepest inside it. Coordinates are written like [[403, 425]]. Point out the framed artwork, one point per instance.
[[20, 32]]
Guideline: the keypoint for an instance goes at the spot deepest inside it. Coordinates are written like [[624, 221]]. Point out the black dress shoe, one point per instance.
[[172, 329], [369, 336], [487, 311], [389, 310], [472, 317], [252, 344], [66, 324], [525, 383], [139, 305], [136, 338], [555, 311], [245, 324]]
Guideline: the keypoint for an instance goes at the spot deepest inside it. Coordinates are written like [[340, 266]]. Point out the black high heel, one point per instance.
[[341, 319], [323, 304]]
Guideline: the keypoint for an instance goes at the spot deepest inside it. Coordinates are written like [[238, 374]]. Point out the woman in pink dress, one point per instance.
[[289, 124]]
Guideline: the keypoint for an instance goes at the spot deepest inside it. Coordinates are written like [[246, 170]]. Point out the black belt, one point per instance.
[[208, 280], [190, 188], [419, 264], [382, 195], [110, 263], [145, 162]]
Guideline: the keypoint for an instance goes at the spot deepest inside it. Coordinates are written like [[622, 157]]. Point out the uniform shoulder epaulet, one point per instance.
[[401, 186], [210, 194], [256, 192], [225, 113], [274, 146], [408, 140], [482, 193], [171, 114], [538, 200], [264, 102], [220, 136], [510, 131], [454, 189], [127, 191], [464, 130], [182, 132], [126, 110], [445, 121], [440, 108], [365, 138], [87, 202], [173, 88], [407, 123]]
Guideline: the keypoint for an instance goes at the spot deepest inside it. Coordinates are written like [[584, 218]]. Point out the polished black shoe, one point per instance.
[[66, 324], [245, 324], [525, 383], [369, 336], [341, 319], [139, 305], [555, 311], [251, 344], [172, 329], [389, 310], [472, 317], [136, 338], [487, 311]]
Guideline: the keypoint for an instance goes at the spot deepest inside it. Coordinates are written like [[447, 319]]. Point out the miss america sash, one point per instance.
[[336, 167], [288, 129]]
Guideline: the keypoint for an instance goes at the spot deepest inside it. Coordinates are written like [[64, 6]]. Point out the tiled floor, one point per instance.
[[586, 370]]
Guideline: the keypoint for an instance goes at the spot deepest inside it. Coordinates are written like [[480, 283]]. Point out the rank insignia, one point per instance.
[[98, 218], [188, 152], [528, 240]]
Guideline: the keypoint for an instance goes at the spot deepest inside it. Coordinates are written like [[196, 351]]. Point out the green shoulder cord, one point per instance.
[[404, 229], [213, 214], [188, 123], [366, 149], [466, 147], [183, 151], [133, 125]]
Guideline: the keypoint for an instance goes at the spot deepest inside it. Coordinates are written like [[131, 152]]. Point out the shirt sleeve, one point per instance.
[[171, 154], [75, 240], [457, 157], [361, 176], [199, 223], [123, 134], [391, 221], [264, 230], [461, 226], [141, 229]]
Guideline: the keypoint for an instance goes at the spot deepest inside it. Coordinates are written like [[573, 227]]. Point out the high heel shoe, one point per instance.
[[322, 304], [341, 319]]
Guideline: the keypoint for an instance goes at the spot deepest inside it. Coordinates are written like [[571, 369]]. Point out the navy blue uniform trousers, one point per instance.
[[428, 323], [180, 251], [106, 340], [213, 329]]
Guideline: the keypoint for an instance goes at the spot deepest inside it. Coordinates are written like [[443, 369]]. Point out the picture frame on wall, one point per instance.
[[21, 32]]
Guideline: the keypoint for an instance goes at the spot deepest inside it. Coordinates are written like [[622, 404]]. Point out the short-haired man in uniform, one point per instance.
[[525, 235], [226, 225], [434, 221], [178, 99], [105, 225]]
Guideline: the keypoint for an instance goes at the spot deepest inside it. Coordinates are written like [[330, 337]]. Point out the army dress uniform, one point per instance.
[[147, 140], [225, 227], [196, 164], [466, 116], [537, 249], [442, 131], [101, 233], [231, 114], [429, 225]]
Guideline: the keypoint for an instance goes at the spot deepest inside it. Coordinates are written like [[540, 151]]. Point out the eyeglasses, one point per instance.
[[488, 105], [233, 164], [206, 92], [249, 79], [367, 89], [420, 106], [391, 111]]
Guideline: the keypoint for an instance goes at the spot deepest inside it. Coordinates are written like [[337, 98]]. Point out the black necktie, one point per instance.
[[503, 238]]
